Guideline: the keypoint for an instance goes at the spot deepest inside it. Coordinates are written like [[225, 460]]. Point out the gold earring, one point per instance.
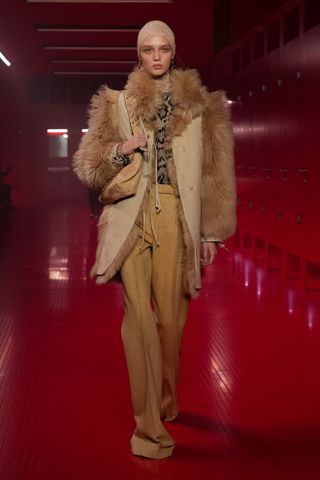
[[140, 66]]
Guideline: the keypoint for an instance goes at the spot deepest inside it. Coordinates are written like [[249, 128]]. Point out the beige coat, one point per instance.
[[201, 169]]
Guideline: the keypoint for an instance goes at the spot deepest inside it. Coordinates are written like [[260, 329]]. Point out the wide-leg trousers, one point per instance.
[[152, 328]]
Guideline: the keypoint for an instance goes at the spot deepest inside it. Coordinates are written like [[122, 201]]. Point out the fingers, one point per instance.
[[142, 141], [134, 142], [138, 140], [208, 253]]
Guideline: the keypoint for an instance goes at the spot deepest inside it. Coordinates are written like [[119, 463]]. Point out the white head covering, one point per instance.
[[156, 28]]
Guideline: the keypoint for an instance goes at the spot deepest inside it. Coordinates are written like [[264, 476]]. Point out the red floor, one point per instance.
[[249, 389]]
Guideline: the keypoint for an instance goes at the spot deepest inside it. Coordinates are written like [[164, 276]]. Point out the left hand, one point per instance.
[[208, 251]]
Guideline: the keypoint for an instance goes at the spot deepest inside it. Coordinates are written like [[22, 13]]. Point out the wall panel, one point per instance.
[[278, 156]]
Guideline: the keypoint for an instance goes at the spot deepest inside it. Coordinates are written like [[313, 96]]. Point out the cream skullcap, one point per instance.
[[154, 28]]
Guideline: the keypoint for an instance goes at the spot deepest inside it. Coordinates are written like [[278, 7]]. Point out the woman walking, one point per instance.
[[157, 238]]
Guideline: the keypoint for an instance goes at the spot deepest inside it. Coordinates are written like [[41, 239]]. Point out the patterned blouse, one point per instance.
[[163, 117], [161, 122]]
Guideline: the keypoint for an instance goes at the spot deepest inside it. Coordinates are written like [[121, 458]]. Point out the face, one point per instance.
[[156, 55]]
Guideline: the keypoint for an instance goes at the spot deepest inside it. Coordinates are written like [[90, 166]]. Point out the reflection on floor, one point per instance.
[[249, 384]]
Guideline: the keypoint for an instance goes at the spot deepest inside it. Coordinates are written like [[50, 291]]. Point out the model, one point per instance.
[[158, 238]]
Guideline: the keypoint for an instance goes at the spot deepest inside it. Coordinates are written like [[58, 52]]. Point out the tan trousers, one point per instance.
[[155, 312]]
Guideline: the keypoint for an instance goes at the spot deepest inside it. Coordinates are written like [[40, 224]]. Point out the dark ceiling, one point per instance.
[[97, 37]]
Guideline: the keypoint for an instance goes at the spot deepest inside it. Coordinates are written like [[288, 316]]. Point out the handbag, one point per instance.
[[125, 183]]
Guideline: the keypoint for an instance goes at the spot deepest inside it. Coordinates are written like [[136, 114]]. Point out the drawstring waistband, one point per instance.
[[149, 214], [152, 223]]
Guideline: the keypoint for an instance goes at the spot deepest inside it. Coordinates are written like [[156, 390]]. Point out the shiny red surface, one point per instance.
[[249, 384]]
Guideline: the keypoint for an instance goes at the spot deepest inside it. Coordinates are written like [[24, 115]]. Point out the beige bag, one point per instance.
[[126, 182]]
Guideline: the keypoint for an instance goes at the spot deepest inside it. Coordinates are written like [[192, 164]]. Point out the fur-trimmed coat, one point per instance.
[[201, 169]]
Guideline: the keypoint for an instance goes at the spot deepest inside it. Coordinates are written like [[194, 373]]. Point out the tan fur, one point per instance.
[[218, 219], [187, 96], [92, 161]]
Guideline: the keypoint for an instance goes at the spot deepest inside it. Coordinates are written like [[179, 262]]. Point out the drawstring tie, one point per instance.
[[153, 227], [150, 147], [143, 229], [154, 231], [157, 203]]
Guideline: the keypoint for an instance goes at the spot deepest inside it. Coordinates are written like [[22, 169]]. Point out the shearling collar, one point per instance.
[[187, 96]]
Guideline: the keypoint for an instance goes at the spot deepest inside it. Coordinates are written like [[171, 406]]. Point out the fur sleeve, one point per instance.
[[218, 209], [92, 161]]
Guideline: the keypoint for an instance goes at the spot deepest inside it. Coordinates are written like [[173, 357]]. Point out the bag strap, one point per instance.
[[134, 126]]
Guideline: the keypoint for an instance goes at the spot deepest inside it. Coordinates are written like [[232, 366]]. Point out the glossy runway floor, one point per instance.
[[249, 387]]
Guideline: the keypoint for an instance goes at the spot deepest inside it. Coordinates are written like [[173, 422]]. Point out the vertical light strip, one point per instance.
[[4, 59]]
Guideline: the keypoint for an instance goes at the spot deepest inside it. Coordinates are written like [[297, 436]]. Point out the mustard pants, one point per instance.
[[155, 313]]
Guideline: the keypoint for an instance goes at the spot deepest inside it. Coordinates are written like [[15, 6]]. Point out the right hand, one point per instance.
[[137, 140]]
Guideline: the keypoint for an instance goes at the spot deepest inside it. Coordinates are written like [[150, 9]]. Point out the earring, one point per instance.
[[172, 63], [140, 66]]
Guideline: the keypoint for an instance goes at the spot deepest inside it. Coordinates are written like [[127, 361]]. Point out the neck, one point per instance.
[[163, 82]]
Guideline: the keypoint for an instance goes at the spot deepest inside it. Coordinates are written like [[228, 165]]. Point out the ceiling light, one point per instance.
[[85, 47], [86, 29], [91, 73], [99, 1], [57, 130], [5, 60], [91, 61]]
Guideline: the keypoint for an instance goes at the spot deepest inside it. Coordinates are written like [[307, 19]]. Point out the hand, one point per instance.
[[208, 251], [137, 140]]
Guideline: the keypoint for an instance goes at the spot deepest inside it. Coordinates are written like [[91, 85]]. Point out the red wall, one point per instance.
[[247, 14], [277, 138], [24, 142]]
